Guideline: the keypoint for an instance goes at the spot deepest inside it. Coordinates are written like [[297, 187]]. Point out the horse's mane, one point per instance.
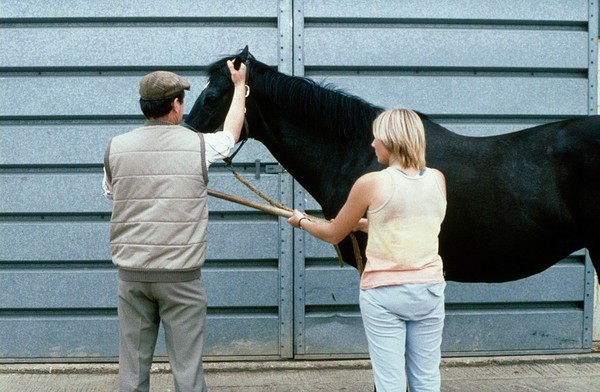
[[317, 106]]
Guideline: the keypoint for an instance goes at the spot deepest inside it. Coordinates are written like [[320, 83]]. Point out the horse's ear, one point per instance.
[[244, 54], [237, 61], [241, 58]]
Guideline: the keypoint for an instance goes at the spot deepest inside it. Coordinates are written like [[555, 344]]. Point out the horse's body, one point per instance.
[[517, 203]]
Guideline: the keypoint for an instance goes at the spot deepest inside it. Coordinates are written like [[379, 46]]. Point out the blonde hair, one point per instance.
[[401, 131]]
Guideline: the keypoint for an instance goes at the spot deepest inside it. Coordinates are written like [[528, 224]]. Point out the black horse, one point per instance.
[[517, 203]]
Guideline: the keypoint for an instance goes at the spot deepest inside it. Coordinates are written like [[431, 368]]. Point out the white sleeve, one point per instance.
[[218, 146], [106, 186]]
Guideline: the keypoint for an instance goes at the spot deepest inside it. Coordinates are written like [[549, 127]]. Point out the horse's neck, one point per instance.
[[301, 156], [316, 154]]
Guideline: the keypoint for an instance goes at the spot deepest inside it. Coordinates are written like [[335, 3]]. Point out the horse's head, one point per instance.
[[210, 109]]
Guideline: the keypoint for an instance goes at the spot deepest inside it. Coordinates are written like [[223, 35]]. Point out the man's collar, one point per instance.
[[150, 123]]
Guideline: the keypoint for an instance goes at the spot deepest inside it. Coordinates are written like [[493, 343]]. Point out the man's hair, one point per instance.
[[160, 107], [401, 131]]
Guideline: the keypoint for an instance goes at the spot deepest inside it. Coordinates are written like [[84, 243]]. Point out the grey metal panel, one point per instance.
[[480, 318], [57, 144], [253, 335], [46, 335], [80, 144], [475, 332], [65, 288], [523, 331], [54, 240], [244, 313], [237, 286], [95, 287], [80, 240], [498, 10], [328, 285], [504, 95], [89, 96], [490, 127], [74, 71], [54, 46], [55, 192], [333, 333], [444, 48], [94, 337], [468, 96], [61, 11], [479, 70], [40, 297]]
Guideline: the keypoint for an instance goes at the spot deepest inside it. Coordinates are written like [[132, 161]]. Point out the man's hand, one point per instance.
[[238, 77]]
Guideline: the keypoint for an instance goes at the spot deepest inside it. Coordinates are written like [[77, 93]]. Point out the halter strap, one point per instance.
[[229, 160], [246, 128]]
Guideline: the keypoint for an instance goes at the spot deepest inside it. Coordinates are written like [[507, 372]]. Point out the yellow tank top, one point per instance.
[[403, 233]]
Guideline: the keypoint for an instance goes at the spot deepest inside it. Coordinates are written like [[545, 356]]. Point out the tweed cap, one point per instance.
[[162, 85]]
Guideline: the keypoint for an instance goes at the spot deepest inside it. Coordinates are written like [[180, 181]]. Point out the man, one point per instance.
[[157, 176]]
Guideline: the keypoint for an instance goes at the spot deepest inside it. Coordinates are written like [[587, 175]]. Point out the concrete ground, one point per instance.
[[564, 373]]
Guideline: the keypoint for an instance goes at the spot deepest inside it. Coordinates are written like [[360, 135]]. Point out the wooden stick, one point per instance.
[[251, 203]]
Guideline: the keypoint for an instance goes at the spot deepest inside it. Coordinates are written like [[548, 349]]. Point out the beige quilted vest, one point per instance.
[[159, 220]]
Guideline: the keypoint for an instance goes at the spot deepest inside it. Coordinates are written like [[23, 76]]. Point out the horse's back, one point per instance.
[[519, 202], [578, 160]]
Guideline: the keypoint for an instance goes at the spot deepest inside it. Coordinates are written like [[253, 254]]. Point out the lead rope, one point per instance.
[[272, 202], [357, 255]]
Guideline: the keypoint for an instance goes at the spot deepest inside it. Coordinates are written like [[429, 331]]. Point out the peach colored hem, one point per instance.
[[433, 273]]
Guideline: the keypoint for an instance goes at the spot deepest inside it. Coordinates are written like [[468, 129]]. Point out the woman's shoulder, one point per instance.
[[374, 182], [374, 177], [374, 187], [440, 179], [436, 173]]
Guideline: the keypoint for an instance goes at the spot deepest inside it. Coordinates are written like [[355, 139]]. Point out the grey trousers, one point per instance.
[[182, 309]]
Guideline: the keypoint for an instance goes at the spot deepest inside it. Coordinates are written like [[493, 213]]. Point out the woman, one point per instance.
[[402, 286]]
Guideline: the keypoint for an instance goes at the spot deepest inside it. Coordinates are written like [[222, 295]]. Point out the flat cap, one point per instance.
[[162, 85]]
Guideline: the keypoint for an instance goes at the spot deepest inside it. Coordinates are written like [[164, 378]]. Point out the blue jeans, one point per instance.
[[404, 325]]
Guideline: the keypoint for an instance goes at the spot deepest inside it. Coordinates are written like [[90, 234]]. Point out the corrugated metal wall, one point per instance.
[[478, 69], [68, 83]]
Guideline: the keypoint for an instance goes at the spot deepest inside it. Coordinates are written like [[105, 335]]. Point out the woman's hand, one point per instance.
[[295, 218]]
